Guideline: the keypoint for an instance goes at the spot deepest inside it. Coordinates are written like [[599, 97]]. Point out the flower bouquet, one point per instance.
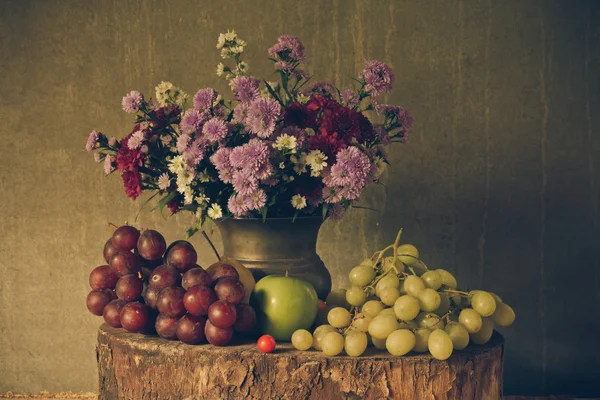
[[286, 148]]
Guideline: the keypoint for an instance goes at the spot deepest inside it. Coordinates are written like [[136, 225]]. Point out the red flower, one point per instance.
[[131, 180], [173, 204], [328, 143], [299, 115], [127, 159], [309, 187]]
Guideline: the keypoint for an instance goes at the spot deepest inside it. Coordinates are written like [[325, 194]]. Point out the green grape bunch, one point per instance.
[[396, 303]]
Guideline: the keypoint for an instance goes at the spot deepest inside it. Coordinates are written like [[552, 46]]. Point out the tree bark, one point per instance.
[[134, 366]]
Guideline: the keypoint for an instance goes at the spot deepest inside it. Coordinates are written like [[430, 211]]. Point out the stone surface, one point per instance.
[[500, 183], [134, 366]]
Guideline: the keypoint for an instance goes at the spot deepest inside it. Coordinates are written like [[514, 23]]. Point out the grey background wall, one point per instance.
[[500, 183]]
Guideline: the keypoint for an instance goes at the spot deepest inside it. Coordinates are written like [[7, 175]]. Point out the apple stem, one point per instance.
[[287, 273], [211, 244], [112, 225]]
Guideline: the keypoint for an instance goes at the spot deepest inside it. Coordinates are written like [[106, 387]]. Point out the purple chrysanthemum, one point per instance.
[[350, 98], [262, 116], [220, 159], [256, 200], [136, 140], [288, 47], [351, 168], [378, 77], [108, 164], [132, 102], [321, 88], [205, 98], [92, 139], [382, 134], [332, 194], [192, 121], [406, 121], [284, 66], [244, 182], [195, 152], [250, 156], [237, 205], [240, 113], [182, 142], [215, 129], [245, 88]]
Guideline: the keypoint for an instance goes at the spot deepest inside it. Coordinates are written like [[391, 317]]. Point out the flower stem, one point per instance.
[[211, 244]]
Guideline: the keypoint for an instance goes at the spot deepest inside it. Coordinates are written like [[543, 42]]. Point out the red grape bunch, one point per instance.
[[147, 287]]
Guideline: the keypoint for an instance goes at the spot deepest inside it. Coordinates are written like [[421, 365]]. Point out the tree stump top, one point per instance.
[[138, 366]]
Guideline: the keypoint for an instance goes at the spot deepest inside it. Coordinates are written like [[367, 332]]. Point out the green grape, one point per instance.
[[432, 280], [421, 339], [337, 298], [444, 304], [483, 335], [356, 343], [406, 308], [413, 285], [302, 339], [368, 262], [408, 254], [458, 334], [356, 296], [378, 343], [400, 342], [390, 262], [361, 275], [447, 278], [456, 299], [372, 308], [332, 343], [440, 345], [361, 322], [381, 326], [496, 297], [504, 315], [387, 311], [429, 300], [483, 303], [319, 333], [429, 321], [470, 319], [322, 315], [389, 296], [386, 282], [339, 317]]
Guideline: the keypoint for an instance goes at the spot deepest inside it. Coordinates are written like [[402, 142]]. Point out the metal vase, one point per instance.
[[277, 246]]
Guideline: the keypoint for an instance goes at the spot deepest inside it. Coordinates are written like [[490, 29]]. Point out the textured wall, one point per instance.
[[498, 185]]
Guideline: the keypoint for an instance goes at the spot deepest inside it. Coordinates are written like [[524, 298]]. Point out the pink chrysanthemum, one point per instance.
[[240, 113], [256, 200], [350, 98], [195, 152], [108, 164], [205, 98], [182, 142], [192, 121], [378, 77], [288, 47], [92, 139], [245, 88], [244, 182], [215, 129], [132, 101], [237, 205], [262, 116]]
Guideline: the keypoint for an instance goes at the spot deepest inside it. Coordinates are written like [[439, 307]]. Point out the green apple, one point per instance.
[[284, 305]]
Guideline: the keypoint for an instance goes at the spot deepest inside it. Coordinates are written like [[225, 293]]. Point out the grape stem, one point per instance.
[[110, 224], [465, 294], [211, 245]]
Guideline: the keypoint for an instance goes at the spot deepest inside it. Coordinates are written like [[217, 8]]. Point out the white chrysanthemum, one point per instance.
[[285, 142], [203, 176], [164, 181], [298, 202], [188, 196], [242, 67], [163, 90], [317, 161], [177, 164], [184, 179], [201, 199], [299, 163], [302, 99], [220, 69], [226, 53], [237, 49], [215, 211], [180, 97], [282, 165], [230, 35]]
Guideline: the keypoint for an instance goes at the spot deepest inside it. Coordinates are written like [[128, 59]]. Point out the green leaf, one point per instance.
[[365, 208], [325, 209], [144, 205], [191, 232], [163, 202], [295, 215], [263, 212], [275, 96], [273, 201]]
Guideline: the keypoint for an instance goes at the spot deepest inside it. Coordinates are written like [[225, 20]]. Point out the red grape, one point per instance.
[[109, 250], [182, 256], [134, 317], [125, 238], [150, 296], [97, 299], [190, 329], [198, 299], [151, 245], [103, 277], [195, 276], [163, 277], [124, 262], [217, 336], [230, 289], [112, 312], [129, 287], [170, 301], [246, 318], [224, 270], [166, 326], [222, 314]]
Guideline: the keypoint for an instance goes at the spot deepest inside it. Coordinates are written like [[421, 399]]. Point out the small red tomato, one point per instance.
[[321, 304], [266, 343]]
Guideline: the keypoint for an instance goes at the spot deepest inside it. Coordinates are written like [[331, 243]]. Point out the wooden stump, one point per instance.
[[134, 366]]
